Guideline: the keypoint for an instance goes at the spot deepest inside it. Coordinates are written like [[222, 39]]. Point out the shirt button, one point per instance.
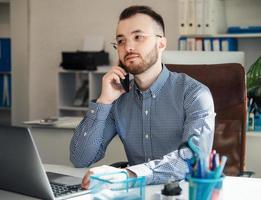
[[147, 136], [154, 96], [84, 134], [92, 111], [146, 112]]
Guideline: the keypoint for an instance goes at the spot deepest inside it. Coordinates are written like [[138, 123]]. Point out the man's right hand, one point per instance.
[[111, 85]]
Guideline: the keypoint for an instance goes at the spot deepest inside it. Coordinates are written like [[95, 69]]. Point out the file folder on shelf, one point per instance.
[[214, 17], [5, 54], [191, 17], [199, 13], [207, 44], [216, 44], [182, 19], [229, 44], [199, 44], [182, 43]]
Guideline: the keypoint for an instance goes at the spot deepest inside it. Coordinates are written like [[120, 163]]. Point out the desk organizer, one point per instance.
[[117, 186]]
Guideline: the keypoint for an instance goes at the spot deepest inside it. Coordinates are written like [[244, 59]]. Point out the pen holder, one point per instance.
[[205, 188], [117, 186]]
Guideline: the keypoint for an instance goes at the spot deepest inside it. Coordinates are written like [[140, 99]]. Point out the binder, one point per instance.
[[182, 43], [214, 17], [182, 16], [6, 99], [229, 44], [216, 44], [199, 44], [5, 54], [1, 90], [191, 17], [199, 8], [191, 44], [207, 44]]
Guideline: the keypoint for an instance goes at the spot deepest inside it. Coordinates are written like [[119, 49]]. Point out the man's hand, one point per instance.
[[131, 174], [86, 180], [111, 85], [102, 170]]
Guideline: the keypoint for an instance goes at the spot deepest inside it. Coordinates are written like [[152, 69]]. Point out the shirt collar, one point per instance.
[[154, 89]]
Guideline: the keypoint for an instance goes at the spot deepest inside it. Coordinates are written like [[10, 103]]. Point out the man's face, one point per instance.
[[137, 43]]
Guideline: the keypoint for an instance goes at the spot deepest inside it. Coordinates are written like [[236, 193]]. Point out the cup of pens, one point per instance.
[[206, 179]]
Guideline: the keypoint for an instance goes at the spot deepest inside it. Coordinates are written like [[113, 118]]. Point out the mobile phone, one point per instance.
[[125, 82]]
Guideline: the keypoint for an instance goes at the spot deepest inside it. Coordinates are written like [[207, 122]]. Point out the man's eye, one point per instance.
[[120, 41], [139, 37]]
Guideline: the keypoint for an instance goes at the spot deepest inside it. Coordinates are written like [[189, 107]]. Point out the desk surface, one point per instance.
[[233, 187]]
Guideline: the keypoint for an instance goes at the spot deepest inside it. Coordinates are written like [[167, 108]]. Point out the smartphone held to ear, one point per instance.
[[125, 82]]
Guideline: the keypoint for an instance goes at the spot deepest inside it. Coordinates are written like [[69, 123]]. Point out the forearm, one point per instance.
[[91, 136], [170, 167]]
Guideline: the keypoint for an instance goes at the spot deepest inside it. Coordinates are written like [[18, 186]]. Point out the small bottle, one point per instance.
[[170, 191], [251, 122]]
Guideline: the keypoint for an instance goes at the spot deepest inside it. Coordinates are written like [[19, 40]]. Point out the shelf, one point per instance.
[[254, 133], [241, 35], [5, 108], [5, 73], [73, 108], [100, 69]]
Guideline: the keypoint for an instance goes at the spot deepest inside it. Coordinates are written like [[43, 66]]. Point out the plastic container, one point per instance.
[[205, 189], [117, 186]]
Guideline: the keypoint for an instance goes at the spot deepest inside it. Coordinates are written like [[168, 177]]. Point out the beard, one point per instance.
[[137, 68]]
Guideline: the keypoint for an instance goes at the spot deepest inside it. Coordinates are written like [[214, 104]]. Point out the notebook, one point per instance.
[[22, 171]]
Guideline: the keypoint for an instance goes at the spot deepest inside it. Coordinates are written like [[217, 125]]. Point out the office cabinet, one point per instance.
[[77, 88]]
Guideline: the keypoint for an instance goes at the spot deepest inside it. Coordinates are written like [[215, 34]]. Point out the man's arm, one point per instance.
[[92, 136], [97, 129], [200, 118]]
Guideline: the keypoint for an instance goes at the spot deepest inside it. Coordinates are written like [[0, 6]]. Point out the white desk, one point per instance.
[[53, 146], [233, 187]]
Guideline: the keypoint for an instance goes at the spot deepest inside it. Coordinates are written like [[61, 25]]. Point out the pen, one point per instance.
[[219, 169]]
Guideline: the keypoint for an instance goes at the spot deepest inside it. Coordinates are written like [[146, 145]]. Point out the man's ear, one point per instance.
[[163, 43]]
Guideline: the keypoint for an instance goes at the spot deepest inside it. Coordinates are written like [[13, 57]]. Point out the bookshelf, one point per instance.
[[70, 81], [214, 17], [5, 63]]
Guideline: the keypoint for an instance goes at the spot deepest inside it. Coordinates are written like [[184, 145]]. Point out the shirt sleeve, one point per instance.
[[92, 135], [199, 120]]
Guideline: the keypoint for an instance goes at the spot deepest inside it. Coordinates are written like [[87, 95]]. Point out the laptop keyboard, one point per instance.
[[60, 190]]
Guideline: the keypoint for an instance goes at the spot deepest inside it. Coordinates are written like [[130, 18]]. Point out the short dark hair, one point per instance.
[[133, 10]]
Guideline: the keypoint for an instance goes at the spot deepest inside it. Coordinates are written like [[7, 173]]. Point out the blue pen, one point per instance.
[[219, 169]]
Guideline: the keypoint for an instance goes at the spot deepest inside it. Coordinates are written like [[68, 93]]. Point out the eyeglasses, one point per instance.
[[137, 38]]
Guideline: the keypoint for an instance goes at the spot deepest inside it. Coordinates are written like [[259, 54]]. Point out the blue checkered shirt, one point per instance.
[[151, 125]]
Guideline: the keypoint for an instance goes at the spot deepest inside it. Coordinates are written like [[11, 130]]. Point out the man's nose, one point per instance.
[[129, 45]]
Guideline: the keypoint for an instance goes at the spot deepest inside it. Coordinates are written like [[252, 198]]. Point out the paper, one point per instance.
[[93, 43]]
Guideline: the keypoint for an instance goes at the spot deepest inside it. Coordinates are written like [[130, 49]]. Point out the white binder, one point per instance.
[[191, 17], [182, 19], [214, 17], [199, 8]]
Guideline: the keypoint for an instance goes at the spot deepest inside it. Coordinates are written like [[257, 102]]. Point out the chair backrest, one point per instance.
[[227, 85]]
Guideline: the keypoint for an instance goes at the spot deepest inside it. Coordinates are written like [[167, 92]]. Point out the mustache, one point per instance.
[[130, 54]]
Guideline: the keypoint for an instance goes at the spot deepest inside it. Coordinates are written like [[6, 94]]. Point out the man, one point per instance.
[[161, 110]]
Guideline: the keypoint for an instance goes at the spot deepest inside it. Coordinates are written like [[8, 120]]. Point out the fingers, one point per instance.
[[86, 180], [119, 71]]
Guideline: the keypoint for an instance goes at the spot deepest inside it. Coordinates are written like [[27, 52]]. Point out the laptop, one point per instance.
[[22, 171]]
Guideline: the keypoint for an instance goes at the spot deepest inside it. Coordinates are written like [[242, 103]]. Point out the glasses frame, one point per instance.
[[115, 44]]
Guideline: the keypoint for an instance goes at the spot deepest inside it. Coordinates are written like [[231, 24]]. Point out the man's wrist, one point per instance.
[[131, 173]]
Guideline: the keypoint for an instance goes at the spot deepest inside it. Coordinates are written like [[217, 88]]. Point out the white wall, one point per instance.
[[41, 30], [61, 25]]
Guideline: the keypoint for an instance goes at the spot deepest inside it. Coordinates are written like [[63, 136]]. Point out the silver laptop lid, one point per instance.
[[21, 169]]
